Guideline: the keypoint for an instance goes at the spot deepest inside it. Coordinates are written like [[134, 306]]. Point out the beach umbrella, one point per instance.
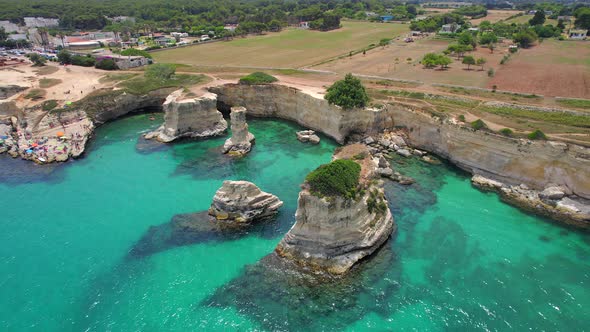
[[29, 151], [60, 133], [68, 103], [35, 145]]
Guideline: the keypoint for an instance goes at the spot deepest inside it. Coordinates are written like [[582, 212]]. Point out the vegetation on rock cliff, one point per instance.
[[258, 78], [338, 178], [348, 93], [537, 135]]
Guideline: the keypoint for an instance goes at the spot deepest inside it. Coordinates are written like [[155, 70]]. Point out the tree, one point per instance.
[[466, 38], [37, 59], [347, 93], [275, 26], [384, 42], [64, 56], [458, 49], [480, 62], [488, 38], [560, 25], [3, 34], [468, 60], [430, 60], [582, 16], [444, 61], [525, 38], [538, 18]]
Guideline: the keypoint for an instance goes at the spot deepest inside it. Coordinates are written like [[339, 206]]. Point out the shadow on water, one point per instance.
[[15, 171], [279, 296], [194, 228]]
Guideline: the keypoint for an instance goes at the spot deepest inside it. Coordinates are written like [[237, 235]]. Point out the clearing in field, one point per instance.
[[525, 18], [495, 15], [553, 68], [292, 48]]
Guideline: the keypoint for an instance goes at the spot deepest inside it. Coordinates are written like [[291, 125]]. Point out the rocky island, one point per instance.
[[342, 215], [243, 202]]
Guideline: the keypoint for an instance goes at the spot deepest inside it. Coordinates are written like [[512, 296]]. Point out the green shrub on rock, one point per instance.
[[347, 93], [338, 178], [84, 61], [506, 132], [160, 71], [258, 78], [106, 64]]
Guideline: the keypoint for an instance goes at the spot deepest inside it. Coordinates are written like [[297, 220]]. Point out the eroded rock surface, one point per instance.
[[306, 136], [331, 234], [194, 118], [241, 139], [243, 202]]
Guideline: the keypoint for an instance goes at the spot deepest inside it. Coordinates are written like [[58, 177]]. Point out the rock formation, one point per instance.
[[331, 234], [243, 202], [308, 136], [552, 202], [241, 139], [194, 118]]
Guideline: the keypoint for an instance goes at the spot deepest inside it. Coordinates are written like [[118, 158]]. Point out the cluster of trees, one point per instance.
[[10, 44], [431, 60], [185, 14], [434, 23], [65, 57], [472, 11]]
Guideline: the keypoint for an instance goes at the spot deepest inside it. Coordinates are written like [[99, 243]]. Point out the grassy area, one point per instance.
[[289, 48], [507, 96], [525, 18], [575, 103], [116, 77], [45, 83], [46, 70], [49, 105], [561, 118], [35, 94], [142, 85]]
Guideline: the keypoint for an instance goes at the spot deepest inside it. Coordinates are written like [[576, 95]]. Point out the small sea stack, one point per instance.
[[243, 202], [308, 136], [240, 143], [342, 215]]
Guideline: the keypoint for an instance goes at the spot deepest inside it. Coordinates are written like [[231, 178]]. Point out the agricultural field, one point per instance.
[[495, 15], [525, 18], [292, 48], [401, 60], [553, 68]]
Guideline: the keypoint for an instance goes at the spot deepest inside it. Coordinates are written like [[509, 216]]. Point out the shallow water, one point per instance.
[[460, 260]]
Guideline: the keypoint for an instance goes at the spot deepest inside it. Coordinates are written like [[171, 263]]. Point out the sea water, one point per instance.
[[460, 259]]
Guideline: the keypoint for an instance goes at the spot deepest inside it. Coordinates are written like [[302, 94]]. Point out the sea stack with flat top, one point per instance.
[[240, 142], [342, 215]]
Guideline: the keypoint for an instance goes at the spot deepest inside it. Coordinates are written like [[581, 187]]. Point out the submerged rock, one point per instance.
[[308, 136], [331, 234], [194, 118], [243, 202], [241, 140]]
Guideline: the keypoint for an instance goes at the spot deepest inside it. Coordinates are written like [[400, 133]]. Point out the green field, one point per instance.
[[525, 18], [292, 48]]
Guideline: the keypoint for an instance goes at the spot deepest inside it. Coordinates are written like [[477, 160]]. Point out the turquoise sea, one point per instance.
[[87, 246]]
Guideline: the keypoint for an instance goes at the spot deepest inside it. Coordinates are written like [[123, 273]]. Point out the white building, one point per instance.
[[578, 34], [41, 22]]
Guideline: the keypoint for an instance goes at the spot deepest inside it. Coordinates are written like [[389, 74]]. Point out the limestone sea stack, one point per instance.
[[241, 139], [332, 233], [243, 202], [193, 118]]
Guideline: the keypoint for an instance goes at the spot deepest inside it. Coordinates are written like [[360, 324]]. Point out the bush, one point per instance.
[[157, 47], [513, 50], [537, 135], [258, 78], [491, 72], [462, 118], [49, 105], [506, 132], [64, 56], [84, 61], [162, 71], [478, 124], [347, 93], [136, 52], [37, 59], [338, 178], [106, 64]]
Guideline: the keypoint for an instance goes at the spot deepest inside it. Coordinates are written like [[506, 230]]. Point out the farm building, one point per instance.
[[449, 28], [577, 34]]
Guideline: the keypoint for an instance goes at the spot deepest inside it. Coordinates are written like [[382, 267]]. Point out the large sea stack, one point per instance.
[[333, 232], [193, 118], [241, 139]]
